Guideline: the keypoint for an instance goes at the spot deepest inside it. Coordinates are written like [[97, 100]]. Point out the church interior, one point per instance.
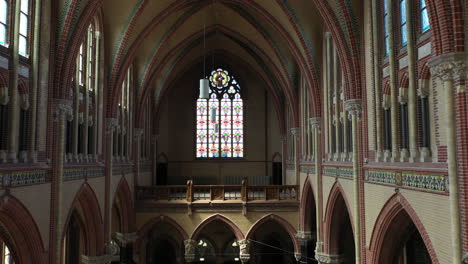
[[233, 131]]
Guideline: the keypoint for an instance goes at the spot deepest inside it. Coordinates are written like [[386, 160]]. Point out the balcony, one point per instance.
[[218, 198]]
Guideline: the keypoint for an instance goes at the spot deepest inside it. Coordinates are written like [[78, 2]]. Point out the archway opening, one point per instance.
[[74, 241], [341, 232], [403, 243], [8, 252], [272, 244], [217, 243], [164, 245], [309, 224]]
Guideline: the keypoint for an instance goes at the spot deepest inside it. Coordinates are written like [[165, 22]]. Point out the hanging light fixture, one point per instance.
[[204, 85]]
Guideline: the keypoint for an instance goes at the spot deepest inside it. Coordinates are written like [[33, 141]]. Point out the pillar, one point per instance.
[[62, 108], [353, 107], [423, 97], [316, 124], [327, 94], [296, 132], [244, 250], [329, 259], [154, 142], [451, 68], [393, 79], [305, 239], [137, 137], [111, 125], [13, 125], [377, 79], [336, 104], [404, 116]]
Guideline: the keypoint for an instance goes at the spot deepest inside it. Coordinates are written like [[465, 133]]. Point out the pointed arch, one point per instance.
[[87, 207], [27, 242], [217, 217], [307, 203], [334, 204], [394, 207], [123, 198], [280, 221]]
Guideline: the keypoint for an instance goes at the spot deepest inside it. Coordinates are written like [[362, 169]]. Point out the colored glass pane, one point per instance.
[[425, 25], [220, 119], [404, 37]]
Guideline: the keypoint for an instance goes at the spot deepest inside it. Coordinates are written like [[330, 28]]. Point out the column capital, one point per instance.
[[4, 97], [295, 131], [449, 67], [328, 35], [190, 246], [138, 133], [465, 258], [315, 122], [329, 259], [297, 256], [111, 124], [105, 259], [303, 235], [62, 107], [403, 95], [244, 250], [354, 107], [126, 238]]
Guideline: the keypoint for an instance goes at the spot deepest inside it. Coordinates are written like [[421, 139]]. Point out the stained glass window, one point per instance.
[[425, 25], [220, 119], [404, 37], [24, 28], [3, 22], [386, 35]]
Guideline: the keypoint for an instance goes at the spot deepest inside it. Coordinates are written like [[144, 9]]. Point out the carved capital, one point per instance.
[[449, 67], [403, 96], [423, 90], [304, 236], [295, 131], [24, 101], [126, 238], [315, 122], [138, 132], [244, 250], [354, 107], [62, 108], [111, 125], [190, 246], [329, 259], [4, 98], [465, 258], [106, 259], [297, 256]]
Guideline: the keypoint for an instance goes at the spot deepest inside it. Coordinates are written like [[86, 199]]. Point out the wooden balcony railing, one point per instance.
[[241, 193]]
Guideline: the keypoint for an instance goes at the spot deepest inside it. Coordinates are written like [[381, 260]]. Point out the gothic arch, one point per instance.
[[394, 207], [123, 198], [87, 207], [280, 221], [217, 217], [333, 205], [144, 230], [307, 203], [27, 243]]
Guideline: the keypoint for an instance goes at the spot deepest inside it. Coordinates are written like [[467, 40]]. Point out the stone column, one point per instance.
[[13, 124], [76, 120], [393, 90], [284, 153], [327, 94], [451, 68], [305, 238], [329, 259], [316, 124], [296, 132], [111, 124], [412, 60], [62, 108], [190, 250], [377, 78], [387, 155], [154, 142], [336, 103], [97, 95], [354, 108], [138, 133], [403, 100], [126, 241], [423, 94], [244, 250]]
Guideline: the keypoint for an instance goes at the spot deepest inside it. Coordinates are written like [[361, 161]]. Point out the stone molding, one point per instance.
[[304, 236], [244, 250], [62, 107], [126, 238], [449, 67], [111, 125], [105, 259]]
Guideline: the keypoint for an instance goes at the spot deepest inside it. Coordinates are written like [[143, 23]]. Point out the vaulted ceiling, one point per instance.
[[281, 40]]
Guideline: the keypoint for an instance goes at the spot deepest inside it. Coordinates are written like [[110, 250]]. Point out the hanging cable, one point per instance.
[[280, 249]]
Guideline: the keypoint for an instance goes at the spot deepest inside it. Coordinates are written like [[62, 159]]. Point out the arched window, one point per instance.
[[3, 22], [404, 37], [425, 25], [385, 26], [220, 132], [24, 28]]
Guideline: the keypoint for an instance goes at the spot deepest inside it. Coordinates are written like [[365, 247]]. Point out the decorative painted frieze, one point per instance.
[[308, 169], [23, 178], [82, 173], [411, 180], [338, 172]]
